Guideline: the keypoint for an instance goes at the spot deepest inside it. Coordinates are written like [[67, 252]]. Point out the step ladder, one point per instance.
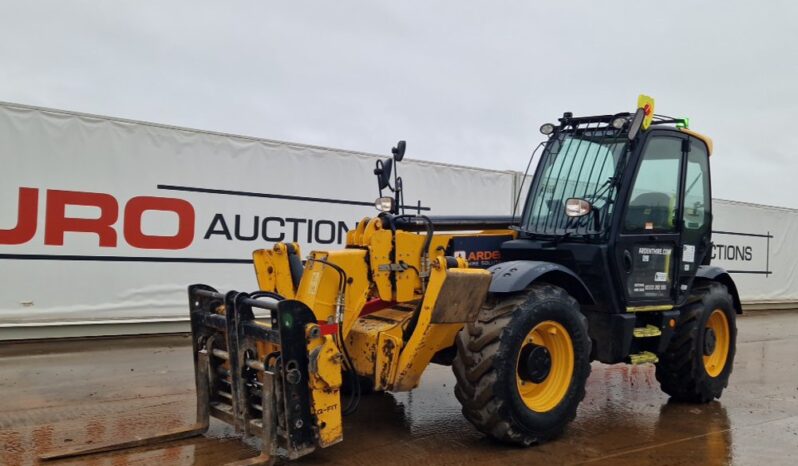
[[649, 331]]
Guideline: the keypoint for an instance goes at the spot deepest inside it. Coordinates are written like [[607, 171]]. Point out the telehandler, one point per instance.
[[609, 261]]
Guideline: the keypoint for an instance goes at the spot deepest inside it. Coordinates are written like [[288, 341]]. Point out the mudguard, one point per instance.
[[516, 275], [720, 275]]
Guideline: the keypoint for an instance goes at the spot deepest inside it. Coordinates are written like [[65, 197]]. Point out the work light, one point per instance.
[[384, 204], [618, 123], [547, 129]]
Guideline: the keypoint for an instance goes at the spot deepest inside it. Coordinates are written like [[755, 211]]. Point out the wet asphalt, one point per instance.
[[55, 395]]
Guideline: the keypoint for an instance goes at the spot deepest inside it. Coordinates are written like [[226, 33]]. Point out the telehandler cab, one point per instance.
[[609, 261]]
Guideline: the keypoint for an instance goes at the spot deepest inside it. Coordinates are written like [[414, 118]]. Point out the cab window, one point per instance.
[[655, 193], [696, 193]]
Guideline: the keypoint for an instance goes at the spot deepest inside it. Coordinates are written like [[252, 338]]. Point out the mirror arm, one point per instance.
[[398, 197]]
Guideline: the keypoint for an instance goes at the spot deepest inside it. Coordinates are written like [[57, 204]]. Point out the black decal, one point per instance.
[[254, 234], [265, 233], [317, 234], [228, 192], [749, 253], [479, 251], [296, 222], [651, 272], [343, 228], [310, 230], [218, 218]]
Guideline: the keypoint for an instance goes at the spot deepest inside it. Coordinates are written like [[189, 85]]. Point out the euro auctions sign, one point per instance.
[[57, 223], [161, 212], [104, 219]]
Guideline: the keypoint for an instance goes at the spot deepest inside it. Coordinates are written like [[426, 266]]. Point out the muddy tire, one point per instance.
[[699, 359], [495, 365], [365, 385]]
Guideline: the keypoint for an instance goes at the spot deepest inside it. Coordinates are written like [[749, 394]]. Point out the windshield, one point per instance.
[[579, 165]]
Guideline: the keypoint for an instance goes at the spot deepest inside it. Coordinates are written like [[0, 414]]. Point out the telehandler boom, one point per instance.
[[609, 261]]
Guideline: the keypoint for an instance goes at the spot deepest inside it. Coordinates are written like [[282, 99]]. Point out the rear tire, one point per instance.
[[698, 362], [495, 387]]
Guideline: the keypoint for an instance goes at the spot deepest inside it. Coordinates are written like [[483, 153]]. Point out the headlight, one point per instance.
[[619, 122], [384, 204]]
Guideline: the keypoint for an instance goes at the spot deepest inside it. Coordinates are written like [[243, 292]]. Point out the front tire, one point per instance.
[[521, 367], [699, 359]]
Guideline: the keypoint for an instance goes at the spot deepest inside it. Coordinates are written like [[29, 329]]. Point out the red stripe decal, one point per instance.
[[329, 329]]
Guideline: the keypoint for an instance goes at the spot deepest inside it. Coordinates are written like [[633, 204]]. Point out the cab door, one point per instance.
[[648, 234], [696, 216]]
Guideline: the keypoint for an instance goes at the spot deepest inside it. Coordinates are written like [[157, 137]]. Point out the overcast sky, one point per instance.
[[462, 81]]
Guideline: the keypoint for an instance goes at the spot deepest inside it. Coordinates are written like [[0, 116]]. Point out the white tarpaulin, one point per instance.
[[168, 207], [754, 243], [104, 219]]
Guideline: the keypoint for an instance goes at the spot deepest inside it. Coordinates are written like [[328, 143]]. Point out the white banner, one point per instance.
[[103, 219], [754, 243]]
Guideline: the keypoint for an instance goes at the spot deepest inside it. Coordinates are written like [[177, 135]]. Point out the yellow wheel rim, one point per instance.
[[715, 361], [546, 395]]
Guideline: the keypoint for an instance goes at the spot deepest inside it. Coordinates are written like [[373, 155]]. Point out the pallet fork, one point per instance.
[[266, 398]]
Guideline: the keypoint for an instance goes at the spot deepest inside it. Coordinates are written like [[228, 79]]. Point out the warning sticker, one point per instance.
[[688, 253], [651, 271]]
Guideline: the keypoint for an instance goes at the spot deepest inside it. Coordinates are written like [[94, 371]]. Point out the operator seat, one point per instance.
[[653, 208]]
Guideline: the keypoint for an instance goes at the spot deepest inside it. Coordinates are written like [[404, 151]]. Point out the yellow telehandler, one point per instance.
[[609, 261]]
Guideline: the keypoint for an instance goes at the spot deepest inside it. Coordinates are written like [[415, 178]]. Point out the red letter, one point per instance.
[[26, 218], [185, 223], [58, 224]]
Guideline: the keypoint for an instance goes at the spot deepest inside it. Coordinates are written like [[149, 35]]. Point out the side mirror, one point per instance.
[[637, 122], [383, 172], [575, 207], [399, 151]]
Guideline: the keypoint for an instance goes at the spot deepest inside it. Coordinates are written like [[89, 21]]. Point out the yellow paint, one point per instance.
[[355, 237], [647, 331], [378, 263], [659, 307], [407, 247], [668, 259], [362, 341], [716, 362], [408, 252], [380, 246], [705, 139], [546, 395], [325, 369], [273, 271], [642, 102], [320, 285], [264, 270], [427, 338], [374, 225], [387, 358], [643, 357]]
